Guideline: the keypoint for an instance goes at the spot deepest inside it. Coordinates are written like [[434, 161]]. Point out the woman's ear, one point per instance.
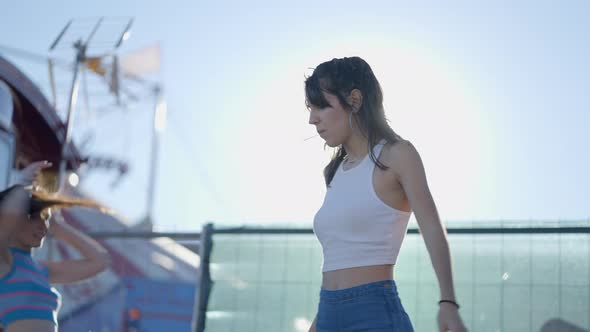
[[355, 100]]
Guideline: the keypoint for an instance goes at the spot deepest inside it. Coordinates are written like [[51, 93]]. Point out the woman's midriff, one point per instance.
[[355, 276]]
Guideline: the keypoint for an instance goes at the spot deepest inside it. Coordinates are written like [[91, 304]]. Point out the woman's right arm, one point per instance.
[[95, 257]]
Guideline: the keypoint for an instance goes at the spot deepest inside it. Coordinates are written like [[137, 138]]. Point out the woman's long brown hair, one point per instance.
[[339, 77]]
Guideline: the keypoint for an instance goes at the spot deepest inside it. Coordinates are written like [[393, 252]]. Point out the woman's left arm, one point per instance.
[[95, 258], [412, 177]]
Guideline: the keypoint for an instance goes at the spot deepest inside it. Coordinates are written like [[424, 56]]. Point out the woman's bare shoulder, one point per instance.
[[400, 156], [392, 152]]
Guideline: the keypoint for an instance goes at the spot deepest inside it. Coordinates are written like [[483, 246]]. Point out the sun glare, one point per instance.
[[426, 102], [430, 105]]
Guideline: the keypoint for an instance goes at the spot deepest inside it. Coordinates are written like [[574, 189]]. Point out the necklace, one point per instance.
[[349, 160]]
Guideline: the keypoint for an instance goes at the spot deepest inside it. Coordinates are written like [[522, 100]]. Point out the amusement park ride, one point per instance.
[[99, 76], [155, 291]]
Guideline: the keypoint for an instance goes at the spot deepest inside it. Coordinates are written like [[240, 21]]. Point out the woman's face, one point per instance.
[[32, 232], [332, 122]]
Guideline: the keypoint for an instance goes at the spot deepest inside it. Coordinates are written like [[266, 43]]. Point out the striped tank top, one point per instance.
[[25, 292]]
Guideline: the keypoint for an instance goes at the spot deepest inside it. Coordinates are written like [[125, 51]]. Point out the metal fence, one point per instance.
[[509, 276]]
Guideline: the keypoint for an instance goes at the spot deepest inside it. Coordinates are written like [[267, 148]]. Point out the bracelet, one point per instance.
[[451, 302]]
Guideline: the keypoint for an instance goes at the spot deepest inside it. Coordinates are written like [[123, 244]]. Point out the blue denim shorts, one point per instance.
[[372, 307]]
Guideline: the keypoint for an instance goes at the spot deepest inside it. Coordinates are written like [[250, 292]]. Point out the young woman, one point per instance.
[[27, 300], [374, 182]]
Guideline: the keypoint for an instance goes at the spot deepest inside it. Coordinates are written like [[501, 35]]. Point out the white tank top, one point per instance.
[[354, 226]]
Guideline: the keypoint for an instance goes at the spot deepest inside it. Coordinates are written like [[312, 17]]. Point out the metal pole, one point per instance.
[[61, 34], [204, 283], [52, 82], [159, 113], [94, 30], [125, 34], [80, 58]]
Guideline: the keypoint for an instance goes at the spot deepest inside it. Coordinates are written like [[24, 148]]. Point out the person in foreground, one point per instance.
[[27, 300], [374, 181]]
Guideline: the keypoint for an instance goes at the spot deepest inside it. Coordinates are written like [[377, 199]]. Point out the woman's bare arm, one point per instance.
[[95, 257], [413, 179]]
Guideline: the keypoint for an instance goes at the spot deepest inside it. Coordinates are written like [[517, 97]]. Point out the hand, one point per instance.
[[449, 319], [28, 175], [56, 223]]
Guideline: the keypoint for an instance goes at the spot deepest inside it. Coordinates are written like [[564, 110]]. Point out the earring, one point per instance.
[[350, 120]]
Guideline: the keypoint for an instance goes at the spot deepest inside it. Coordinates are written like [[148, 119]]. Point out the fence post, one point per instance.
[[204, 282]]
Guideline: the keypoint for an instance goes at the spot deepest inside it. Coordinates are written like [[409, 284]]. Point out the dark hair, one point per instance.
[[339, 77], [40, 202]]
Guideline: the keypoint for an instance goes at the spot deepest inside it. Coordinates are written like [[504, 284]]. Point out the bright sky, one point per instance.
[[493, 94]]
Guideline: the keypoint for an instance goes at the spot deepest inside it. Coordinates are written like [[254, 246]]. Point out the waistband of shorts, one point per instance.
[[348, 293]]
